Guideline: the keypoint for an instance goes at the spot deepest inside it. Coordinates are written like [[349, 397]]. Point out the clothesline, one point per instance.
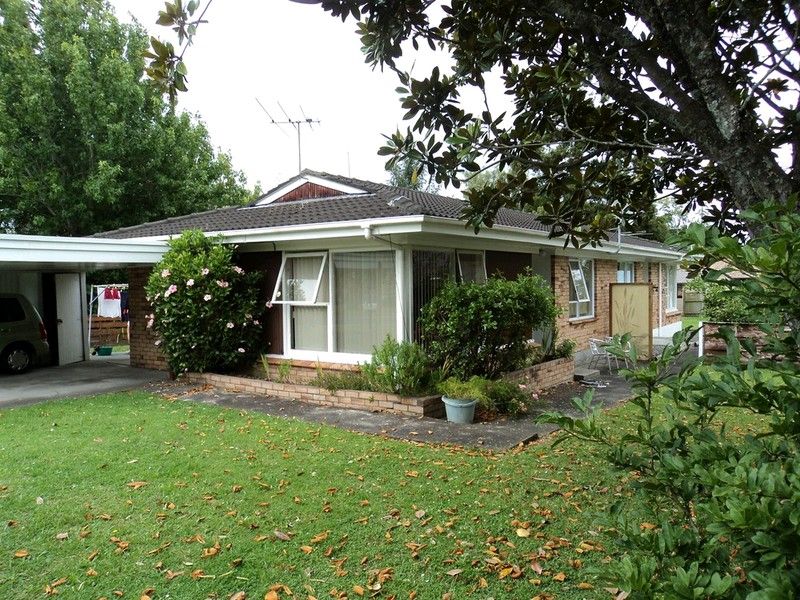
[[109, 302]]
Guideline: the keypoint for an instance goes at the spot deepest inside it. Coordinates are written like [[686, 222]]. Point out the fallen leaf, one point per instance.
[[585, 586], [419, 514], [560, 576], [284, 537], [319, 537], [135, 485], [21, 553], [455, 572], [271, 595], [357, 589], [62, 536], [170, 575], [90, 572], [307, 549], [239, 596], [523, 533], [647, 526], [211, 550]]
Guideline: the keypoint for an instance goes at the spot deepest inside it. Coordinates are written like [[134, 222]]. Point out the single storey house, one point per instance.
[[346, 262]]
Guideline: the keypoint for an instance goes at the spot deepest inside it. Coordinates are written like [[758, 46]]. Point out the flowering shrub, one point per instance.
[[205, 308]]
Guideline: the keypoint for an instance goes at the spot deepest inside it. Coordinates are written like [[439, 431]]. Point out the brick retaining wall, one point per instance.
[[545, 375], [429, 406]]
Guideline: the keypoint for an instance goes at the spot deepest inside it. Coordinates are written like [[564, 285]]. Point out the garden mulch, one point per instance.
[[499, 435]]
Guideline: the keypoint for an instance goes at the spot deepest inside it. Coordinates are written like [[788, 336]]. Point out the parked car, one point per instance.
[[23, 337]]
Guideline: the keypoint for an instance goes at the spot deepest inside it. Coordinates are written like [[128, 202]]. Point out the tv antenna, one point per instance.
[[296, 123]]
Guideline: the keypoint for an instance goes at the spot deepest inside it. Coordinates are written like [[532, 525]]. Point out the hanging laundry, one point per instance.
[[107, 304], [125, 305]]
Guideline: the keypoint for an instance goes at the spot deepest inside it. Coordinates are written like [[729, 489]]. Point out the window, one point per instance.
[[625, 272], [430, 271], [581, 292], [365, 300], [672, 287], [11, 310], [472, 267], [343, 303]]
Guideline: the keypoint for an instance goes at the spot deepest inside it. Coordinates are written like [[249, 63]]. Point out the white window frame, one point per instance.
[[330, 355], [574, 268], [627, 267], [672, 287], [460, 253], [279, 281]]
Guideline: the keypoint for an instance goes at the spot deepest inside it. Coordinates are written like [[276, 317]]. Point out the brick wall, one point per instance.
[[580, 330], [429, 406], [299, 371], [144, 353], [545, 375]]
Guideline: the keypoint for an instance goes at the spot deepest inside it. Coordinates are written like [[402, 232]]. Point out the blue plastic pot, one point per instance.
[[459, 411]]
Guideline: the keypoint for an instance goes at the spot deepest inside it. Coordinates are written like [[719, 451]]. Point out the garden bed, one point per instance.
[[544, 375], [427, 406]]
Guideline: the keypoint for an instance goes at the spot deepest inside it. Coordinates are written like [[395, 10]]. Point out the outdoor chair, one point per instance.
[[600, 354]]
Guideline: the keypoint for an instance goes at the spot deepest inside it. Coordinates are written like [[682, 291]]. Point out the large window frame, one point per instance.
[[583, 290], [326, 287], [626, 272], [672, 287]]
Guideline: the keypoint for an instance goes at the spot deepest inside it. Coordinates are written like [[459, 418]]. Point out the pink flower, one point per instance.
[[204, 271], [230, 325], [157, 343], [149, 323], [221, 283], [239, 270], [255, 322], [165, 273], [241, 350], [269, 304], [207, 297], [170, 290], [189, 282]]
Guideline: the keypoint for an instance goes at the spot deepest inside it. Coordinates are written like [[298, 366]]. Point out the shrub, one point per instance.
[[205, 309], [493, 396], [724, 502], [483, 329], [399, 368], [345, 380], [722, 304]]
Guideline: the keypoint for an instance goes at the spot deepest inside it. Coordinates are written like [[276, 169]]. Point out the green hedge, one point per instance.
[[483, 329]]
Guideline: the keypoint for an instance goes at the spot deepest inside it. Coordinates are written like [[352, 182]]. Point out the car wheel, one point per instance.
[[16, 359]]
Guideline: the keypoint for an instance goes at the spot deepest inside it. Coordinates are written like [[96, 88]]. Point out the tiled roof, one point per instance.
[[378, 201]]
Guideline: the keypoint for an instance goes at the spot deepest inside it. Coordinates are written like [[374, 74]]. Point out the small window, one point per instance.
[[581, 292], [302, 280], [672, 287], [625, 272], [11, 310], [472, 267]]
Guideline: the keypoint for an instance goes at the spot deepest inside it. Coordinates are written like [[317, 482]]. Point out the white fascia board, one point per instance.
[[71, 250], [439, 225], [432, 225], [302, 180]]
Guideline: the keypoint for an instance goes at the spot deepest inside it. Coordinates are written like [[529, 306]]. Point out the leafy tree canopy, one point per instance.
[[408, 173], [86, 143], [615, 102]]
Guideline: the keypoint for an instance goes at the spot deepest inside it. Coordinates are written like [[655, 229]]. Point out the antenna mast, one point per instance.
[[296, 123]]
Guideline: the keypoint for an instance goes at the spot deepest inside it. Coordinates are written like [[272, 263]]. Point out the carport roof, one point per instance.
[[55, 253]]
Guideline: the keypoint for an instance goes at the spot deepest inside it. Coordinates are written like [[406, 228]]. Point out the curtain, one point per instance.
[[365, 300], [431, 269], [472, 268]]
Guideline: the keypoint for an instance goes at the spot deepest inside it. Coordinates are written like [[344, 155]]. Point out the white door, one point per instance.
[[70, 320]]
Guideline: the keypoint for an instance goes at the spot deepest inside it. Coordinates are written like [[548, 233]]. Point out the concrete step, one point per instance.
[[582, 373]]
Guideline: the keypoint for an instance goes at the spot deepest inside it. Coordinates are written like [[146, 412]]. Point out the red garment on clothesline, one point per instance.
[[111, 294]]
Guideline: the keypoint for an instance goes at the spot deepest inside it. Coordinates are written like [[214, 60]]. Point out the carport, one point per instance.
[[51, 272]]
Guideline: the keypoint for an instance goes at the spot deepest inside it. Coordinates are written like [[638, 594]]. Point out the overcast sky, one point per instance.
[[294, 54]]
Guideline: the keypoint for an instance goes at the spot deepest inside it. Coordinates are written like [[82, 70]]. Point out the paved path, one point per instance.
[[498, 435], [72, 381]]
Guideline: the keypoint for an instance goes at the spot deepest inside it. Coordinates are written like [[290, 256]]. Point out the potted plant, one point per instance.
[[460, 398]]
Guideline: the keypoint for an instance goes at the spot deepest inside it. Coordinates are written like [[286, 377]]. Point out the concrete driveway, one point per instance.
[[71, 381]]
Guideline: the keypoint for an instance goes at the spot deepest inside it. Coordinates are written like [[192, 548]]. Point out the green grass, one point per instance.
[[691, 320], [354, 506]]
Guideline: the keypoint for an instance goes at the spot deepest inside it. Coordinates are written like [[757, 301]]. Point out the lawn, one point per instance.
[[133, 495]]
